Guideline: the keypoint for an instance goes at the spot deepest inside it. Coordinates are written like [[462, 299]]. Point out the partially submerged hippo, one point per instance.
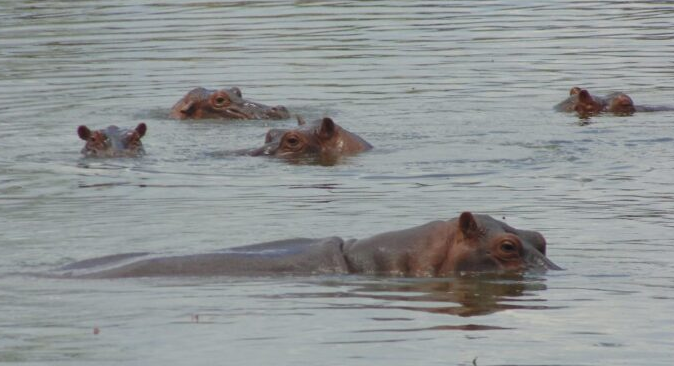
[[470, 243], [112, 141], [229, 103], [586, 104], [322, 138]]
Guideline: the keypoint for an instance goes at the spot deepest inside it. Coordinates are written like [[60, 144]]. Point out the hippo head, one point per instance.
[[587, 105], [112, 141], [229, 103], [322, 138], [621, 103], [481, 243]]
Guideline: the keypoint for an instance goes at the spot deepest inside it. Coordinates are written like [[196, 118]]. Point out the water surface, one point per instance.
[[457, 99]]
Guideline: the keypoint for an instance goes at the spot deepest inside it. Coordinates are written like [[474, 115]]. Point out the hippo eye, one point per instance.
[[292, 141], [508, 247], [220, 101]]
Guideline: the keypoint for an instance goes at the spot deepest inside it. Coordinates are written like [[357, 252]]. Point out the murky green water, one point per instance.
[[457, 99]]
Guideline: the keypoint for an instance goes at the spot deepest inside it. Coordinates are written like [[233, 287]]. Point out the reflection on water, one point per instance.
[[464, 296]]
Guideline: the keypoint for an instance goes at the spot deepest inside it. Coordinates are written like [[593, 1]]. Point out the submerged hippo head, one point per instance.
[[481, 243], [620, 103], [322, 138], [112, 141], [202, 103]]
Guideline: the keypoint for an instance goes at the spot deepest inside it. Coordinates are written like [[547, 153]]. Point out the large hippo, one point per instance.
[[469, 243], [229, 103], [322, 138], [112, 141], [586, 104]]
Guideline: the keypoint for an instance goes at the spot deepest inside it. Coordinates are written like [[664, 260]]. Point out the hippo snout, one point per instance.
[[280, 112], [536, 260], [266, 149]]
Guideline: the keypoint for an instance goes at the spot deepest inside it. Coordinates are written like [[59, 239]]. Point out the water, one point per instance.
[[457, 99]]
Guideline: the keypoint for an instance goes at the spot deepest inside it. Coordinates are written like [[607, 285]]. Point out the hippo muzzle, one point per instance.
[[537, 261], [265, 150]]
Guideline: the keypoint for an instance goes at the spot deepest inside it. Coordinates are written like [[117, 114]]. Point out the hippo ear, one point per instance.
[[300, 120], [575, 90], [584, 96], [84, 132], [188, 108], [327, 129], [468, 225], [141, 129]]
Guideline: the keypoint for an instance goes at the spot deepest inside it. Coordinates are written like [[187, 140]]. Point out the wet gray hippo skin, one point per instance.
[[322, 138], [470, 243], [229, 103], [112, 141], [586, 104]]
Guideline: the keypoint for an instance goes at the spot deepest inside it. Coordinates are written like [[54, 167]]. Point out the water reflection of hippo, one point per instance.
[[436, 249], [468, 295], [586, 104], [112, 141], [229, 103], [322, 138]]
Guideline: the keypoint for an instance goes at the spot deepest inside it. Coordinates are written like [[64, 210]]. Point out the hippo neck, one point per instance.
[[420, 251]]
